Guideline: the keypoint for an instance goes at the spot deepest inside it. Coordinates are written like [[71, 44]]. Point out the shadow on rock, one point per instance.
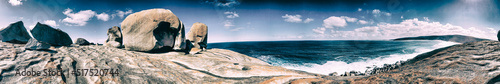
[[494, 80], [45, 50]]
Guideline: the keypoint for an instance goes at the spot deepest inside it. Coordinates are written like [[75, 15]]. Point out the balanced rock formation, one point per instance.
[[82, 41], [197, 36], [15, 33], [54, 37], [153, 30], [34, 44], [114, 37], [131, 67]]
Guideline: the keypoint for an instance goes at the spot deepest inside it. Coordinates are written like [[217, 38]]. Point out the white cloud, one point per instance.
[[359, 9], [319, 30], [103, 16], [231, 14], [121, 14], [426, 18], [376, 11], [225, 3], [334, 21], [308, 20], [410, 28], [296, 19], [292, 18], [16, 2], [491, 30], [388, 14], [228, 24], [236, 29], [77, 19], [51, 23], [32, 26], [402, 17], [289, 36], [362, 22], [349, 19]]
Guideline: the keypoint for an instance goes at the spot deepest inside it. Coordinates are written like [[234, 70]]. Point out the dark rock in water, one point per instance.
[[498, 35], [115, 38], [15, 33], [34, 44], [198, 35], [81, 41], [54, 37], [452, 38], [154, 30]]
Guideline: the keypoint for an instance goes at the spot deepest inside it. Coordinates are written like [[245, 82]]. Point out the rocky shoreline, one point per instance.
[[210, 66], [151, 47]]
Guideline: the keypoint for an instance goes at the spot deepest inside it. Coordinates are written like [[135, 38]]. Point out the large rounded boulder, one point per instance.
[[82, 41], [197, 36], [153, 30], [114, 37], [47, 34], [15, 33]]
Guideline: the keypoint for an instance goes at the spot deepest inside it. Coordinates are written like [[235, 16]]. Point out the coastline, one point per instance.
[[226, 66]]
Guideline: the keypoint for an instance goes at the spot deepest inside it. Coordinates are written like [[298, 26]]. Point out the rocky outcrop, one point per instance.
[[15, 33], [54, 37], [82, 41], [153, 30], [211, 66], [197, 36], [451, 38], [473, 62], [114, 37], [34, 44], [498, 35]]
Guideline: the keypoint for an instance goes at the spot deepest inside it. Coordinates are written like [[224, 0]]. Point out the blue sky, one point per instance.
[[270, 20]]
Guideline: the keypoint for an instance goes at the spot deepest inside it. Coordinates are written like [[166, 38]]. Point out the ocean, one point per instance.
[[324, 57]]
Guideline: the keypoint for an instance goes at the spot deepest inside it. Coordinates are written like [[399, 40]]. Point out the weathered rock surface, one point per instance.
[[54, 37], [468, 63], [211, 66], [452, 38], [153, 30], [34, 44], [198, 35], [82, 41], [114, 37], [15, 33]]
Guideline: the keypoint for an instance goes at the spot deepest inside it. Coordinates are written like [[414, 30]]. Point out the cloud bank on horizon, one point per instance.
[[269, 20]]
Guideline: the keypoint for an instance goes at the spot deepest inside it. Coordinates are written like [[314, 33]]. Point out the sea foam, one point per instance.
[[341, 67]]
